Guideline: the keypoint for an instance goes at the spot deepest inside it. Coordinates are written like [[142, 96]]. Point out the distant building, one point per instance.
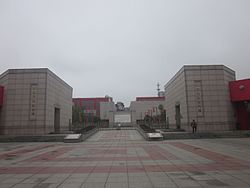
[[34, 102], [144, 106], [200, 92], [95, 109], [107, 112]]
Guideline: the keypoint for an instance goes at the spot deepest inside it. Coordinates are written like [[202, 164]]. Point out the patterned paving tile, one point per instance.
[[101, 162]]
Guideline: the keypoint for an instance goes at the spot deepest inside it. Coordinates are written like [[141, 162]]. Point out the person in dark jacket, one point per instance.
[[194, 126]]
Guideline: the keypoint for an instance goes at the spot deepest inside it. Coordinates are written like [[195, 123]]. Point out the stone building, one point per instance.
[[200, 92], [35, 102]]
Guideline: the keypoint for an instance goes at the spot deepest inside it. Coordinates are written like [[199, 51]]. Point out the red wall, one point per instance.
[[91, 103], [1, 95], [242, 116], [78, 101], [240, 90]]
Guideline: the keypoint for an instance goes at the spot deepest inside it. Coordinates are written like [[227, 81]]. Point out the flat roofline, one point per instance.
[[149, 98], [41, 69], [239, 90], [93, 98], [241, 80], [32, 70], [199, 67]]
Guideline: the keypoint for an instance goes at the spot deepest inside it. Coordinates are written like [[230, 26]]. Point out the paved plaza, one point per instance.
[[122, 158]]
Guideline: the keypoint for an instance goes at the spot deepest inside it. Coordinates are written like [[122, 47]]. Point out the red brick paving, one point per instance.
[[49, 156], [220, 160], [153, 153], [157, 153], [17, 152]]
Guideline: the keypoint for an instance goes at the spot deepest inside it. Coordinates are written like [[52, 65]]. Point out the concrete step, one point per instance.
[[73, 138]]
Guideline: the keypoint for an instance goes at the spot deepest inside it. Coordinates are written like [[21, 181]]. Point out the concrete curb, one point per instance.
[[144, 135], [39, 138], [206, 135], [42, 138], [88, 134]]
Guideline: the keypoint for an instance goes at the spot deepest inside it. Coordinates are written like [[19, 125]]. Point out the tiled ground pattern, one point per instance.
[[121, 158]]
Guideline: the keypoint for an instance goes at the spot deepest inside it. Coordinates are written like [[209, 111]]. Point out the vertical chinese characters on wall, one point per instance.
[[33, 101], [198, 98]]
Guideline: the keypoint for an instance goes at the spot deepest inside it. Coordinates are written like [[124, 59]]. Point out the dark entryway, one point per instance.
[[178, 116], [57, 120], [243, 115]]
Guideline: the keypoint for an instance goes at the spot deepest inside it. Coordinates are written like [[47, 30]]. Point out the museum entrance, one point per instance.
[[240, 97], [243, 115], [178, 116], [1, 104], [57, 120]]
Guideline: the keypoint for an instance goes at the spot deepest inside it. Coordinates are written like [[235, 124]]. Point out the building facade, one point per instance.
[[200, 93], [145, 106], [35, 102], [107, 112]]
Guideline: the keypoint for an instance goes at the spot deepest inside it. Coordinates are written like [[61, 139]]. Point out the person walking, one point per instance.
[[194, 126]]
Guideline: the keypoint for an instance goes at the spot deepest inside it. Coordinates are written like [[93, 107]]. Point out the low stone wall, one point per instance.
[[166, 136], [43, 138], [205, 135], [40, 138], [88, 134]]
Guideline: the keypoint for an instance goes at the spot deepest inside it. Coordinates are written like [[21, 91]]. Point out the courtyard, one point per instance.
[[122, 158]]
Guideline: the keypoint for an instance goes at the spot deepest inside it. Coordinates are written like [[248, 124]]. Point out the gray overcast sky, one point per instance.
[[123, 48]]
